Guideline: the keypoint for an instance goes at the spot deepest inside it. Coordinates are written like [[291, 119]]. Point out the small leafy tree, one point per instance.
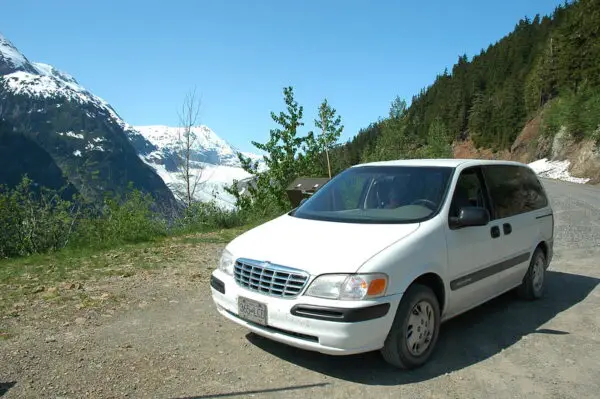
[[331, 129], [288, 155]]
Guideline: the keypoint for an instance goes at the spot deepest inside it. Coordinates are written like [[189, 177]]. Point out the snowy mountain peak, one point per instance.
[[11, 59], [207, 146], [49, 70]]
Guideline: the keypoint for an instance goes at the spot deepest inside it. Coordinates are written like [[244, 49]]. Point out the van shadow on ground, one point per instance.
[[465, 340], [5, 386]]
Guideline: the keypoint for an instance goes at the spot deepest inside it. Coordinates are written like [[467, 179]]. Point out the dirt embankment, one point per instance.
[[531, 145]]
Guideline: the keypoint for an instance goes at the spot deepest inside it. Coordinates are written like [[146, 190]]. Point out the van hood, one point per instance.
[[317, 246]]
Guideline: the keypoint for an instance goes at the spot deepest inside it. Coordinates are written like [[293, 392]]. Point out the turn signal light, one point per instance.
[[376, 287]]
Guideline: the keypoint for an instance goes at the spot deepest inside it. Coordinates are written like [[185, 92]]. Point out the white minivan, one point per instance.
[[385, 252]]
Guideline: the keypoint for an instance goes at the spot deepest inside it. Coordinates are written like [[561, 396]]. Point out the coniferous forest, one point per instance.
[[548, 64]]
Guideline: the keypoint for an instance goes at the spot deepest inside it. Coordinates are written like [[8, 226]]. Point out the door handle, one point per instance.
[[507, 228], [495, 231]]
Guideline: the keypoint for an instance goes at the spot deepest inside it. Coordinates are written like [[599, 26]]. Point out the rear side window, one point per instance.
[[514, 190]]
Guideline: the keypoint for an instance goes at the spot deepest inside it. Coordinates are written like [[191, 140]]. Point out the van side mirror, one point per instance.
[[470, 216]]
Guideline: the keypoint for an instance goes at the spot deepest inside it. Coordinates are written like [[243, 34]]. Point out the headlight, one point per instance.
[[226, 262], [350, 287]]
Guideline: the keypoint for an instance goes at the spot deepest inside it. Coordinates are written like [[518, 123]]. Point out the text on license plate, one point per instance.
[[252, 310]]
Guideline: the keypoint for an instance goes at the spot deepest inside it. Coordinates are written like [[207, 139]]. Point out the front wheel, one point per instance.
[[415, 330]]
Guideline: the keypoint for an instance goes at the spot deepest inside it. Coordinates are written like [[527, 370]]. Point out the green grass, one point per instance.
[[41, 276]]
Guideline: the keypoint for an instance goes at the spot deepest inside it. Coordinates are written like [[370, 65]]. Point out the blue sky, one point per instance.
[[143, 56]]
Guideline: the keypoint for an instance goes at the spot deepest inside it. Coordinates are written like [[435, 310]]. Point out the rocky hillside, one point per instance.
[[578, 159], [58, 133]]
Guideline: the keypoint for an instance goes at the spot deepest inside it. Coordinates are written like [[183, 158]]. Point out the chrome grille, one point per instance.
[[269, 279]]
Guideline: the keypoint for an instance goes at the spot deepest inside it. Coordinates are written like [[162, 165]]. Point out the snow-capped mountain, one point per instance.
[[92, 145], [59, 133], [212, 158]]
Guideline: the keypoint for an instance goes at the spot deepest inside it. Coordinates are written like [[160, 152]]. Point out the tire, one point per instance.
[[396, 349], [532, 287]]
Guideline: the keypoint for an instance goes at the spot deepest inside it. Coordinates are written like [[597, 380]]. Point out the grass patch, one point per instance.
[[45, 276]]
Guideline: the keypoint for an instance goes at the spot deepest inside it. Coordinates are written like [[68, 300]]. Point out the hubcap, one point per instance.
[[420, 328], [538, 273]]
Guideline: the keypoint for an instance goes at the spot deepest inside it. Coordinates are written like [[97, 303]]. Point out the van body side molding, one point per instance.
[[488, 271]]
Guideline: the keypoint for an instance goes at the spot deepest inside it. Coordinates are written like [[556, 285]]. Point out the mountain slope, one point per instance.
[[547, 67], [45, 111]]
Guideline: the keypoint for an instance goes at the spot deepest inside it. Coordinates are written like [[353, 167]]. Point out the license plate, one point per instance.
[[252, 310]]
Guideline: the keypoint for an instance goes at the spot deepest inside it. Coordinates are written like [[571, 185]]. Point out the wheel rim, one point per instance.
[[420, 328], [538, 273]]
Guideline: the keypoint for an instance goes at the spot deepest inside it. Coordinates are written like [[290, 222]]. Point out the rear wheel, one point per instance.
[[532, 286], [415, 330]]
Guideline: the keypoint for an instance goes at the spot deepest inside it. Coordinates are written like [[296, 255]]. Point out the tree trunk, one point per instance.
[[328, 164]]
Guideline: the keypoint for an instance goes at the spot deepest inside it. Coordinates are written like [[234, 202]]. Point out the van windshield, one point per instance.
[[379, 194]]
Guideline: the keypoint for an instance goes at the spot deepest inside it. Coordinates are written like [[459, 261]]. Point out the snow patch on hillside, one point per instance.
[[558, 170], [72, 135]]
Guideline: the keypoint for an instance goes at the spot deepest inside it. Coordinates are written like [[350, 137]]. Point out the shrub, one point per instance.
[[121, 221], [202, 216], [34, 220]]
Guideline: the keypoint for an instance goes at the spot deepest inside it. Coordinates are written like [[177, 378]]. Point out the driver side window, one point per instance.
[[469, 191]]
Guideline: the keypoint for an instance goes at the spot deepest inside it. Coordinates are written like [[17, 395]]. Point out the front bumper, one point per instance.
[[312, 323]]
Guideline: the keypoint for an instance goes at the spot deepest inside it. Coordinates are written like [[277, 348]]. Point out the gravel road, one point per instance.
[[158, 336]]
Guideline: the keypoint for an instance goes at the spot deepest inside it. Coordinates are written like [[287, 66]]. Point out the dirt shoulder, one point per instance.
[[155, 333]]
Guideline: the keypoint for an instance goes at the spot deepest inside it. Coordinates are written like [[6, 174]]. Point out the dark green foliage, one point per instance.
[[489, 98]]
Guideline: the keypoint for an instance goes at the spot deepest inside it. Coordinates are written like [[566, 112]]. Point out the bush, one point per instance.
[[34, 220], [121, 221], [578, 112], [202, 216]]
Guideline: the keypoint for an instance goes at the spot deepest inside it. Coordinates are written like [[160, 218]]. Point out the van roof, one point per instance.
[[440, 162]]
